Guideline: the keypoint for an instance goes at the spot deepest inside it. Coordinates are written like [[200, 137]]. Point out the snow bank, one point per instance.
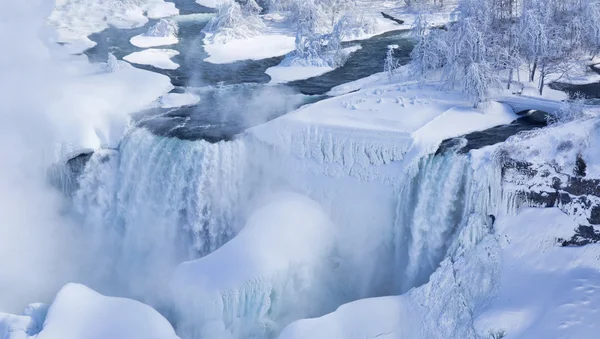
[[546, 291], [291, 70], [239, 290], [207, 3], [76, 19], [386, 317], [159, 58], [282, 74], [161, 34], [100, 102], [22, 326], [255, 48], [79, 312]]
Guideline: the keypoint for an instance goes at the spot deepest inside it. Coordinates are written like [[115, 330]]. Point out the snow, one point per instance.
[[79, 312], [546, 291], [273, 261], [208, 3], [100, 102], [173, 100], [161, 9], [162, 33], [386, 317], [75, 20], [516, 281], [292, 70], [255, 48], [409, 116], [159, 58], [144, 41], [282, 74]]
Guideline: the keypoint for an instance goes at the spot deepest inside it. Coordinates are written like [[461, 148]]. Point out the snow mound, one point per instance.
[[100, 102], [161, 34], [276, 260], [21, 326], [159, 58], [255, 48], [79, 312], [75, 20]]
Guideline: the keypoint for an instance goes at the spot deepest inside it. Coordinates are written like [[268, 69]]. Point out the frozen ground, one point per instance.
[[75, 20], [159, 58]]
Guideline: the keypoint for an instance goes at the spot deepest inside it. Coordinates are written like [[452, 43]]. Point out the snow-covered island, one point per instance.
[[293, 169]]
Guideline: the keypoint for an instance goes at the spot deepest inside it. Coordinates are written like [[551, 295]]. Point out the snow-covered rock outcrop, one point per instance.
[[162, 33]]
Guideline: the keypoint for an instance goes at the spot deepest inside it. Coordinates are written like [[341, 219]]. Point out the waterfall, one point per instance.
[[159, 201]]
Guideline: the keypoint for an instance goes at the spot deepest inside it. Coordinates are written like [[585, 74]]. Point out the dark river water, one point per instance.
[[235, 96]]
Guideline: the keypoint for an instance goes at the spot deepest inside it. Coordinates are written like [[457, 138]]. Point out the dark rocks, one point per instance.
[[580, 166], [584, 235], [389, 17]]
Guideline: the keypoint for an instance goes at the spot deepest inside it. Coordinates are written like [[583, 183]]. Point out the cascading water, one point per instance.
[[159, 201]]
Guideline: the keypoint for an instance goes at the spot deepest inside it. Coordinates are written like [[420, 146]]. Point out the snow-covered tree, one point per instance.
[[235, 20]]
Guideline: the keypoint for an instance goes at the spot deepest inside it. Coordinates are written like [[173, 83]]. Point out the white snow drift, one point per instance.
[[159, 58]]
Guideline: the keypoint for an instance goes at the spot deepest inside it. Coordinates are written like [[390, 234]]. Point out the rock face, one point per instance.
[[549, 186]]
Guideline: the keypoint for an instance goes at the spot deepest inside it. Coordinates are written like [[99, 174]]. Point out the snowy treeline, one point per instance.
[[490, 40], [320, 25], [235, 20]]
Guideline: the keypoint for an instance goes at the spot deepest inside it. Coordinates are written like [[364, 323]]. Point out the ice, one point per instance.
[[244, 289], [159, 58], [79, 312], [162, 33]]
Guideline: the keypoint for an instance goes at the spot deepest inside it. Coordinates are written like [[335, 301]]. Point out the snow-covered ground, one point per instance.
[[159, 58], [255, 48], [76, 19]]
